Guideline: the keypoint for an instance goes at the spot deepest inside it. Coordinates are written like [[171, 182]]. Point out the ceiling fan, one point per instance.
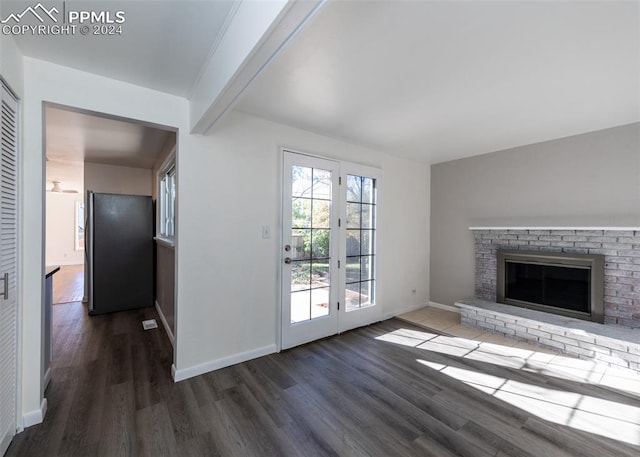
[[57, 189]]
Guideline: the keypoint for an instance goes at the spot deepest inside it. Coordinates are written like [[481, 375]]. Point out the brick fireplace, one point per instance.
[[620, 246]]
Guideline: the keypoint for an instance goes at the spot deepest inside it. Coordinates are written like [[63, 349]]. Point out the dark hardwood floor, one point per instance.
[[350, 395]]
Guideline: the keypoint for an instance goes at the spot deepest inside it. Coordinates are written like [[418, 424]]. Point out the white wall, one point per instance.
[[228, 188], [61, 235], [11, 68], [113, 179], [167, 150], [584, 180]]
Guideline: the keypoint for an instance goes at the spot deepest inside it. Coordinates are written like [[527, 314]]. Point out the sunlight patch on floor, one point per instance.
[[582, 412], [527, 359]]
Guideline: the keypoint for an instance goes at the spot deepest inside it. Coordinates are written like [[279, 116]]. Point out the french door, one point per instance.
[[328, 248], [8, 266]]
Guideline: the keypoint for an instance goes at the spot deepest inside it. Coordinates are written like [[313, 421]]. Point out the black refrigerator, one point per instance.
[[119, 252]]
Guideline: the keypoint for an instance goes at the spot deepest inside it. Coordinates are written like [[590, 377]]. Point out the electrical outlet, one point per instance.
[[266, 232]]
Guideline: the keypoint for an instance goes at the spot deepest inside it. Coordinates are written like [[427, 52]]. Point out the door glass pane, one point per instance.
[[300, 276], [366, 269], [366, 246], [301, 213], [366, 293], [353, 269], [354, 188], [320, 274], [300, 244], [321, 184], [310, 243], [301, 181], [319, 302], [300, 306], [353, 215], [321, 214], [352, 295], [353, 242], [320, 240], [359, 295], [367, 190], [367, 216], [360, 242]]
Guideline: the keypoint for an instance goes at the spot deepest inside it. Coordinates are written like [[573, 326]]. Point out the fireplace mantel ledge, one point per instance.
[[553, 228]]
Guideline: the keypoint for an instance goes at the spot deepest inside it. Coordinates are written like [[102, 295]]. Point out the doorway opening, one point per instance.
[[88, 151]]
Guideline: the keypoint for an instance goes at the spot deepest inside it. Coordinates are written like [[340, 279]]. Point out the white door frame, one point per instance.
[[345, 320]]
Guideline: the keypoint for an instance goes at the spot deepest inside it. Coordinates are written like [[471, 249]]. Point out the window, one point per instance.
[[167, 201], [360, 242]]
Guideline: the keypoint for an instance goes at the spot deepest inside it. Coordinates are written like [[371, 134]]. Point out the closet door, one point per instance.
[[8, 266]]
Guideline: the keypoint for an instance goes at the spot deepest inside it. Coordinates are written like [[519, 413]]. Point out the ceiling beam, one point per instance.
[[255, 34]]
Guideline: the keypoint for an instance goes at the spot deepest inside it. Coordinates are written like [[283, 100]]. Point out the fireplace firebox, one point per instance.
[[560, 283]]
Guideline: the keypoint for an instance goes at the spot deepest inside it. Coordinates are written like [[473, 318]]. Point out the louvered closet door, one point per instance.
[[8, 267]]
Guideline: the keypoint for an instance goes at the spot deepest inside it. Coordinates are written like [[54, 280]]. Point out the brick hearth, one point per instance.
[[610, 344]]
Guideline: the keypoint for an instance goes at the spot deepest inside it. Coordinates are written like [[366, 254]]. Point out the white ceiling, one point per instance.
[[73, 138], [430, 80], [69, 175], [163, 44], [438, 80], [77, 137]]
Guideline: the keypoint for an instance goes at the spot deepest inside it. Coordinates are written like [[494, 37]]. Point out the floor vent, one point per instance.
[[149, 324]]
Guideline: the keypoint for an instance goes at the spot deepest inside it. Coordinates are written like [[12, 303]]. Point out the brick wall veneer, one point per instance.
[[621, 249]]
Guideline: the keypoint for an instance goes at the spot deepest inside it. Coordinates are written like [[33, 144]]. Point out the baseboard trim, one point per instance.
[[165, 324], [190, 372], [397, 312], [451, 308], [35, 417], [47, 378]]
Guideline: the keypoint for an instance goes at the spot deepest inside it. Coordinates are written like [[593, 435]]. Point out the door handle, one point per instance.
[[5, 288], [287, 260]]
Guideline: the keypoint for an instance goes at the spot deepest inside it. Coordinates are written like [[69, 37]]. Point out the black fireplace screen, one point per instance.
[[565, 287], [569, 284]]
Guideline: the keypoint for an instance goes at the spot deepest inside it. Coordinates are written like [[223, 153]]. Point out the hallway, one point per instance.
[[107, 373], [68, 284]]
